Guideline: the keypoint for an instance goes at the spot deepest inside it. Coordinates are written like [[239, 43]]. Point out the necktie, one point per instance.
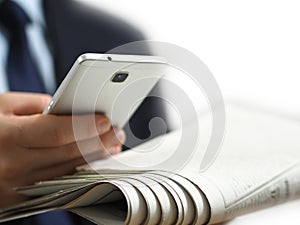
[[22, 73]]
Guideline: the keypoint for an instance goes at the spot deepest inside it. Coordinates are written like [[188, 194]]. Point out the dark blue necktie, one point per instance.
[[22, 73]]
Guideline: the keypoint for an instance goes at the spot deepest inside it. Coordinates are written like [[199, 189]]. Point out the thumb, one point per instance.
[[23, 103]]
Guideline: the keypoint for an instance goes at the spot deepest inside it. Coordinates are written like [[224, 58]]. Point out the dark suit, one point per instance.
[[74, 28]]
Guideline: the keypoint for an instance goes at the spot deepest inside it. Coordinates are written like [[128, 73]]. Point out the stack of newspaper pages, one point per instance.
[[257, 167]]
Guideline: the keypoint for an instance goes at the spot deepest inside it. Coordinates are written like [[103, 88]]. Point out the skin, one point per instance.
[[35, 147]]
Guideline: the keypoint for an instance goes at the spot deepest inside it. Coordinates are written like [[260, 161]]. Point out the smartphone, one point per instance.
[[112, 84]]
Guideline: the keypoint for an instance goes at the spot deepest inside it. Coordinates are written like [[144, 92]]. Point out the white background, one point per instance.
[[251, 47]]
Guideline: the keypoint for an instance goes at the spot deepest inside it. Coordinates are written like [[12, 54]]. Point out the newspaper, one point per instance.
[[257, 167]]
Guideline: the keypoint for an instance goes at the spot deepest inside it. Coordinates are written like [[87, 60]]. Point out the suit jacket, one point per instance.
[[74, 28]]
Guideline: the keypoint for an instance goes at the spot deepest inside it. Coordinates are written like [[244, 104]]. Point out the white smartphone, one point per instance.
[[111, 84]]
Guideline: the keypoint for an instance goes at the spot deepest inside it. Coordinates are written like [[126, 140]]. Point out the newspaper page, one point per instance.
[[258, 165]]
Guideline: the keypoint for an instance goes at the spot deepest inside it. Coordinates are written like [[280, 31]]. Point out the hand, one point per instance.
[[36, 147]]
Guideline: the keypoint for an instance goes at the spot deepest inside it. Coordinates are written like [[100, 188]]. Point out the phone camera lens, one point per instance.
[[120, 77]]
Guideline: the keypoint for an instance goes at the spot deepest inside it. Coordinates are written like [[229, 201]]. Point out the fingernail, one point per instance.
[[114, 150], [120, 134], [104, 126]]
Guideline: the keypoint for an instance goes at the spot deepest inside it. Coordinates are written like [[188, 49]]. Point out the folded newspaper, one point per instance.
[[257, 167]]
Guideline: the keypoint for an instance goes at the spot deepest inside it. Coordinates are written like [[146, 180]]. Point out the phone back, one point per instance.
[[114, 85]]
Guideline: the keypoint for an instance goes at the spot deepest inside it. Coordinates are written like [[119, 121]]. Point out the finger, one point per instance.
[[109, 144], [102, 155], [61, 169], [23, 103], [113, 137], [41, 131], [66, 168], [57, 170], [48, 173]]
